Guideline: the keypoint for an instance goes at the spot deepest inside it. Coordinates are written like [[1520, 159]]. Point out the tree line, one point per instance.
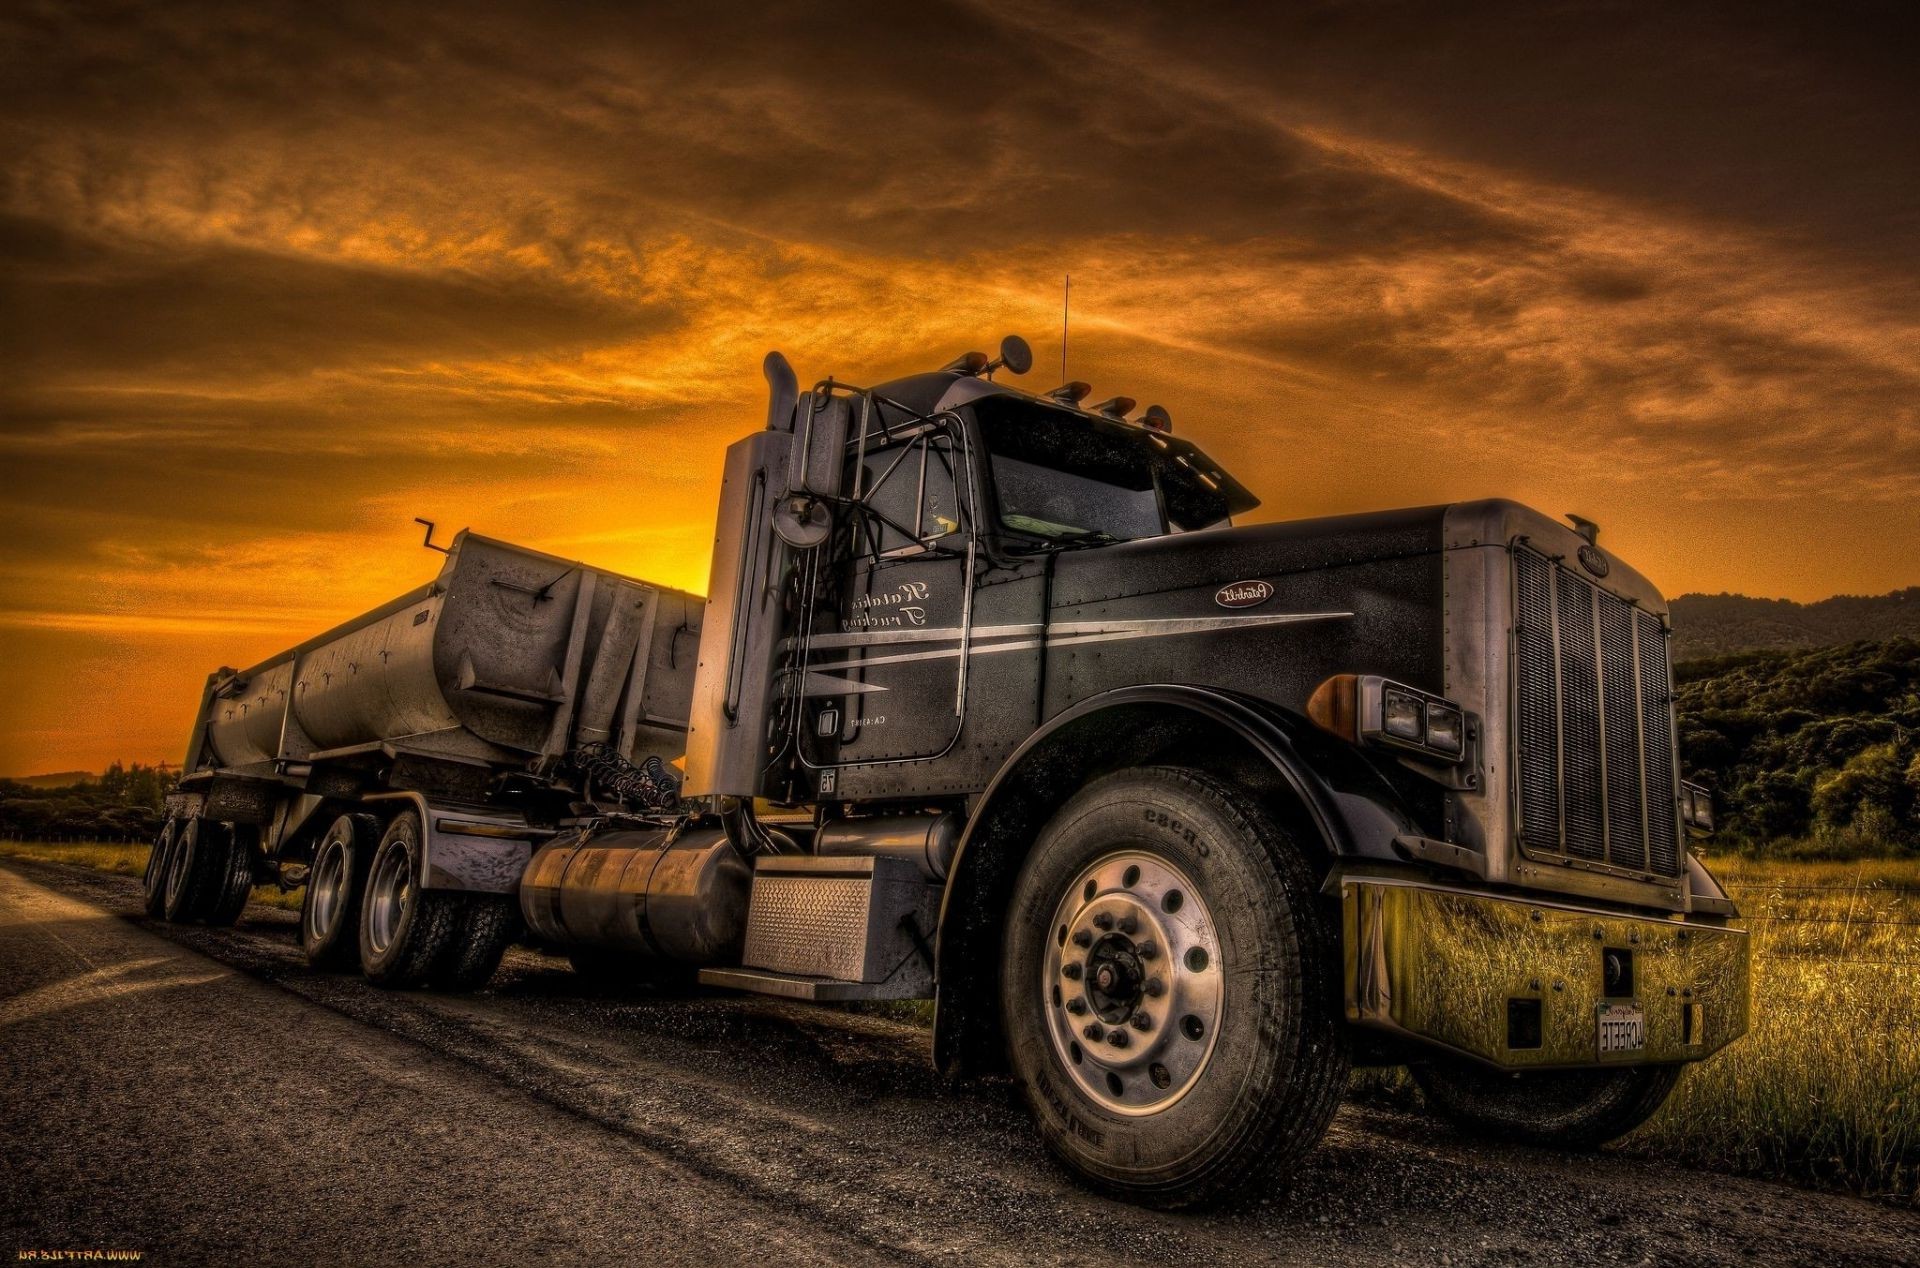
[[1811, 752], [123, 804]]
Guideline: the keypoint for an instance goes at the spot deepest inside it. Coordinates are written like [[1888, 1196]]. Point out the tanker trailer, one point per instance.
[[433, 742]]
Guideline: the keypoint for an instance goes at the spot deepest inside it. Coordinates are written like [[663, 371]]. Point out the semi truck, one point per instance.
[[991, 702]]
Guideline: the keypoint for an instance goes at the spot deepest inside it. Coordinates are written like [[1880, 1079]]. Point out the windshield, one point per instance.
[[1062, 477], [1048, 502]]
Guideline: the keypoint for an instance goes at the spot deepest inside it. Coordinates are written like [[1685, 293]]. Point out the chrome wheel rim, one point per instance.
[[180, 862], [1133, 985], [159, 858], [389, 894], [327, 888]]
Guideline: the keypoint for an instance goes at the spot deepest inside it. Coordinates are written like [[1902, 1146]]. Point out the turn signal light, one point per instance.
[[1331, 707]]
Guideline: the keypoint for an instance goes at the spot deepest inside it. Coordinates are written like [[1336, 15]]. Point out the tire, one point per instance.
[[194, 871], [1171, 910], [488, 925], [1563, 1109], [336, 888], [232, 876], [409, 936], [155, 881]]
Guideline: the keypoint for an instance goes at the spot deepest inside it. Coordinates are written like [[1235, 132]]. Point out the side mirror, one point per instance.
[[817, 465], [1015, 354]]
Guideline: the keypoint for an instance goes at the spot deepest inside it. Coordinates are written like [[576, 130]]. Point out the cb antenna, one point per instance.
[[1066, 300]]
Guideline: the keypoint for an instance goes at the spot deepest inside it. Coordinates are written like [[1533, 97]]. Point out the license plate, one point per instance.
[[1622, 1029]]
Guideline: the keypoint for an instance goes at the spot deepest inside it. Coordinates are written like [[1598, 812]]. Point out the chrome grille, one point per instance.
[[1595, 730]]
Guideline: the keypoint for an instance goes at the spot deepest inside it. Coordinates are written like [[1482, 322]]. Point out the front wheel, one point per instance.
[[1565, 1109], [1169, 990]]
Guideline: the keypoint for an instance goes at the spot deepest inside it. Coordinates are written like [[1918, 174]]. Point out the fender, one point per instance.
[[1353, 811], [478, 849]]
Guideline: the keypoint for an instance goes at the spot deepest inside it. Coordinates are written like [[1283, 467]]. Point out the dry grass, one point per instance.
[[1826, 1087], [124, 860]]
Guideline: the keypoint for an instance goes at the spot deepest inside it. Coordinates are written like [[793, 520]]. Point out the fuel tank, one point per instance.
[[678, 898]]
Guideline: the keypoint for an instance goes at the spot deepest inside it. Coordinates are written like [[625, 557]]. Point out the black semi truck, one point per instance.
[[989, 702]]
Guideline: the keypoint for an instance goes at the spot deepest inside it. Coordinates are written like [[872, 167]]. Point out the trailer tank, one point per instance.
[[508, 657]]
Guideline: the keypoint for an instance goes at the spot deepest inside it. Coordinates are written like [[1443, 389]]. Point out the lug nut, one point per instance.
[[1147, 950], [1117, 1037], [1083, 939], [1094, 1031], [1128, 924], [1140, 1021], [1072, 972], [1103, 922], [1076, 1006], [1155, 987]]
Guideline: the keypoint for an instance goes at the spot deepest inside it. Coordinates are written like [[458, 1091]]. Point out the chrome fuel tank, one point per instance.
[[680, 899]]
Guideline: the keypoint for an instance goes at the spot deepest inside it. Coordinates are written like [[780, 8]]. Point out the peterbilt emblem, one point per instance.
[[1244, 594], [1593, 561]]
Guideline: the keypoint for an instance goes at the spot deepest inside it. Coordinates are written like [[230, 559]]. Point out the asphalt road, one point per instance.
[[202, 1096]]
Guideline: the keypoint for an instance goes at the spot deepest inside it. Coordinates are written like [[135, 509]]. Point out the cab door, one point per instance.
[[883, 671]]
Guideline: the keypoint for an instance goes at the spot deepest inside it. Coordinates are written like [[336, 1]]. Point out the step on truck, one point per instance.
[[990, 703]]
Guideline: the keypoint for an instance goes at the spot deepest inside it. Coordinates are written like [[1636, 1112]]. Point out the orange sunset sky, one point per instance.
[[275, 278]]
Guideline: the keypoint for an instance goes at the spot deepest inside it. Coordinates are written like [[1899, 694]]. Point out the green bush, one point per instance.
[[1810, 754]]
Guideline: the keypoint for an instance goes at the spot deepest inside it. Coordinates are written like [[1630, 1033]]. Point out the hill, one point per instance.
[[58, 779], [1817, 751], [1720, 624]]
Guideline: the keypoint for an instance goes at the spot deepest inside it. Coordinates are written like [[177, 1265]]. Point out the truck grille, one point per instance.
[[1596, 757]]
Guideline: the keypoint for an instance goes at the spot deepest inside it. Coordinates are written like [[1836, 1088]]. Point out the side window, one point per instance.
[[915, 495]]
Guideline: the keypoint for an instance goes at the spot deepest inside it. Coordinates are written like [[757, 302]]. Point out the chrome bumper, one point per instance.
[[1521, 984]]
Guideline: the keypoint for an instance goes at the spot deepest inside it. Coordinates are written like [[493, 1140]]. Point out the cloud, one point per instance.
[[274, 279]]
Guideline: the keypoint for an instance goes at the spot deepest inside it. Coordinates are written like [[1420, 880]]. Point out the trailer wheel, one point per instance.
[[408, 935], [336, 887], [1169, 990], [1564, 1109], [233, 875], [158, 861], [193, 870], [488, 924]]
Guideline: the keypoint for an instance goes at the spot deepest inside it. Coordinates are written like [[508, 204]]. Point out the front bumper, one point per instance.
[[1521, 983]]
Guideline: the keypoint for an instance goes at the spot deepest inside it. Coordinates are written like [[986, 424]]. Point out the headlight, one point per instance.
[[1377, 710], [1446, 728], [1696, 809], [1403, 714]]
